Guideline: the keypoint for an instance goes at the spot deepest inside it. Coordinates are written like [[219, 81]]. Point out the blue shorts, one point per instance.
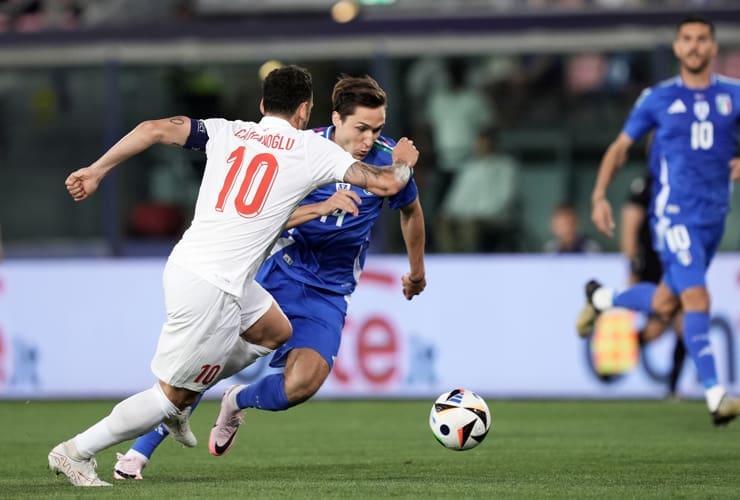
[[686, 252], [317, 315]]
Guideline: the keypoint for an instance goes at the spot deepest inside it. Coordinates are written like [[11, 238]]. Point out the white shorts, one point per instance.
[[200, 343]]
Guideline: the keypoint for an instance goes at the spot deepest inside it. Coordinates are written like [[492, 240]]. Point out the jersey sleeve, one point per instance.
[[404, 197], [328, 161], [641, 118], [212, 127]]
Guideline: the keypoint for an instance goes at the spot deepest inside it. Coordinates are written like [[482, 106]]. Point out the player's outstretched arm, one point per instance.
[[346, 201], [170, 131], [386, 181], [613, 159], [414, 236]]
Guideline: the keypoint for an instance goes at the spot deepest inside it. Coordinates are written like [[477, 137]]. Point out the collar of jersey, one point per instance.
[[275, 122], [712, 81]]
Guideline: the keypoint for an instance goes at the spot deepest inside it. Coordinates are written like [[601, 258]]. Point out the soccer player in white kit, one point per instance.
[[219, 320]]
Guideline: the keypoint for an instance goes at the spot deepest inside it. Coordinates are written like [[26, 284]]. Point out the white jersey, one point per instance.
[[255, 176]]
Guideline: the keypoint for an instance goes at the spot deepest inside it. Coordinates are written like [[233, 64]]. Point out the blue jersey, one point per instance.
[[695, 137], [329, 252]]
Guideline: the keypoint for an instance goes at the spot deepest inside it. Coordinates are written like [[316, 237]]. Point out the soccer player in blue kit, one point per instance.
[[314, 270], [695, 118]]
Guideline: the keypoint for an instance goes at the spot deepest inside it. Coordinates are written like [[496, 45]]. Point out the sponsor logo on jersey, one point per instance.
[[677, 107], [343, 186], [723, 103], [701, 110]]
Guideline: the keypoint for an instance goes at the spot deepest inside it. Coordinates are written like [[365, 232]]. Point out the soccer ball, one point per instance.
[[460, 419]]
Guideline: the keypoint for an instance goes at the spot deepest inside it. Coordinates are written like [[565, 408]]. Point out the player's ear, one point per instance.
[[262, 106], [336, 120], [304, 112]]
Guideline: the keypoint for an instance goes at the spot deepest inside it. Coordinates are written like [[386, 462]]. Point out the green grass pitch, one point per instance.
[[381, 449]]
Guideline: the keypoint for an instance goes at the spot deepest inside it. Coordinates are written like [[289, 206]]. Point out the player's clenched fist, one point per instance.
[[412, 287], [82, 183], [405, 152]]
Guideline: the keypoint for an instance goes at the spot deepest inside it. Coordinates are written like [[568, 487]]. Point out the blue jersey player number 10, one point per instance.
[[694, 118]]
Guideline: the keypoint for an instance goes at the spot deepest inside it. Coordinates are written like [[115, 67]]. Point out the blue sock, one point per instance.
[[267, 394], [696, 338], [147, 443], [638, 297]]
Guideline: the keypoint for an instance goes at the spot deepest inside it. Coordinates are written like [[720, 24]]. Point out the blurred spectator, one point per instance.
[[173, 188], [479, 213], [568, 238], [132, 12], [38, 15], [456, 113], [585, 72]]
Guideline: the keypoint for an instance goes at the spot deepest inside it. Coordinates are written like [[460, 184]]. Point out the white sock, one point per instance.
[[130, 418], [714, 396], [603, 298]]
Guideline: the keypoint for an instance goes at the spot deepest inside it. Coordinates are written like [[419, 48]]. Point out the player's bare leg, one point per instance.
[[305, 372]]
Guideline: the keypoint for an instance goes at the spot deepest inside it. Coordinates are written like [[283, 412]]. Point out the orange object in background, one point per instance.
[[614, 346]]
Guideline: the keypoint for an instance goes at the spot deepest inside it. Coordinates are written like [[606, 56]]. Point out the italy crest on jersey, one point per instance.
[[723, 103]]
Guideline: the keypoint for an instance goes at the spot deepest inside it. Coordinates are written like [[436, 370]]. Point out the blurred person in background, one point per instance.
[[219, 319], [479, 212], [316, 266], [694, 117], [456, 113], [567, 234]]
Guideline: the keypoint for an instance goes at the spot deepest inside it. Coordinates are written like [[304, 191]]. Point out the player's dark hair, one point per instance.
[[285, 89], [350, 92], [696, 18]]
